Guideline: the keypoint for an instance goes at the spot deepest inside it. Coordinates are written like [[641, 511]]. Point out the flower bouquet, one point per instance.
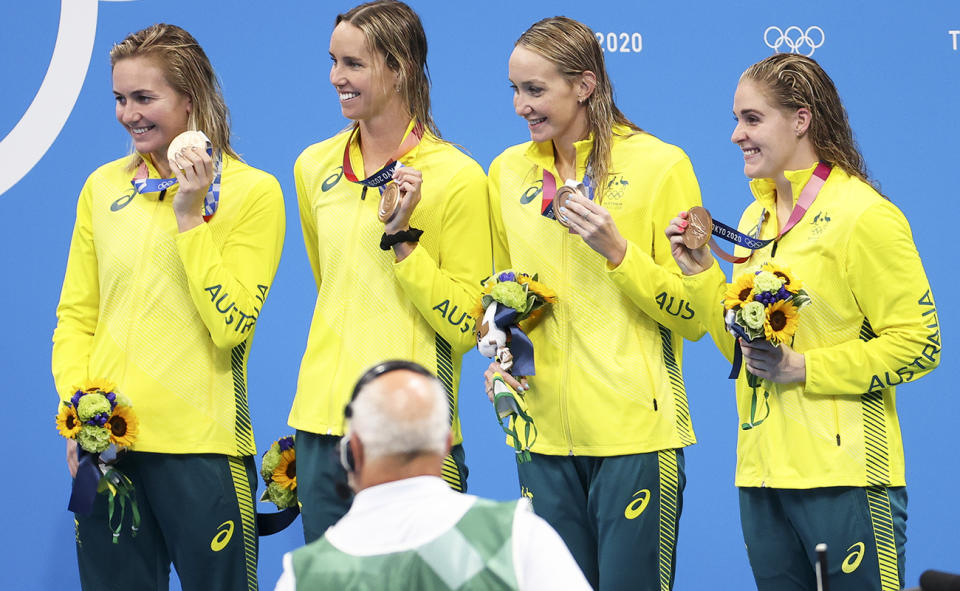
[[508, 299], [103, 424], [762, 304], [279, 471]]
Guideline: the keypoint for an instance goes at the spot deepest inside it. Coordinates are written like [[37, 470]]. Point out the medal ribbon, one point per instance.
[[550, 190], [382, 176], [512, 406], [142, 184], [807, 196]]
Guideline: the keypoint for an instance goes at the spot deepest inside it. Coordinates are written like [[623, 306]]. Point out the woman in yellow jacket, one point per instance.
[[161, 295], [608, 398], [394, 285], [819, 453]]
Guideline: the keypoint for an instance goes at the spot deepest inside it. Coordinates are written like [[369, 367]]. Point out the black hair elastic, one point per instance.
[[388, 240]]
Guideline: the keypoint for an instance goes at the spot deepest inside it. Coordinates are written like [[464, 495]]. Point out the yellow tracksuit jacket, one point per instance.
[[872, 325], [371, 308], [170, 316], [609, 352]]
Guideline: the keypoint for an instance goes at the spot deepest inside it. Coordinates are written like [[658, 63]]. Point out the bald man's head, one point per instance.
[[401, 412]]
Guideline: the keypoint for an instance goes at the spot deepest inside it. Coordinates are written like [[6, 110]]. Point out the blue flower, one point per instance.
[[99, 419], [285, 443], [507, 276]]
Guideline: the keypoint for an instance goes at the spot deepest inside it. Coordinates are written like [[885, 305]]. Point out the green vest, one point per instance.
[[477, 553]]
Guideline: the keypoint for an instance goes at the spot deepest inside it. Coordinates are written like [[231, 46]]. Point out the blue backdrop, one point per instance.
[[675, 66]]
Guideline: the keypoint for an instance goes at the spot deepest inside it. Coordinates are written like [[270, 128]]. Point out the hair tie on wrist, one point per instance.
[[388, 240]]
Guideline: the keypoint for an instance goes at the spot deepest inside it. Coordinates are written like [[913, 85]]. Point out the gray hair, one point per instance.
[[409, 419]]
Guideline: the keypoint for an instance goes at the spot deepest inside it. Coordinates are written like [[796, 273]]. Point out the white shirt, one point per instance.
[[405, 514]]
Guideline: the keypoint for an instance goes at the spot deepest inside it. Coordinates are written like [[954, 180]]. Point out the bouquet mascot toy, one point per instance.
[[508, 299]]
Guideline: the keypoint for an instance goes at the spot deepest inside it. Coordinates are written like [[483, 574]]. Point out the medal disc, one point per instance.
[[187, 139], [561, 197], [699, 228], [388, 202], [560, 200]]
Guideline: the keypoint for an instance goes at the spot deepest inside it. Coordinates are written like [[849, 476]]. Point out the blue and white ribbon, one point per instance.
[[142, 184]]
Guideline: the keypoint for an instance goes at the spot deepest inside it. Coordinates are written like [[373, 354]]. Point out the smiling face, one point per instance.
[[365, 85], [773, 139], [547, 100], [148, 107]]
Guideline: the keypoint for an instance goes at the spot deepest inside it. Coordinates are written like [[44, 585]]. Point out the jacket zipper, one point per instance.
[[332, 410], [565, 339], [138, 284], [836, 419]]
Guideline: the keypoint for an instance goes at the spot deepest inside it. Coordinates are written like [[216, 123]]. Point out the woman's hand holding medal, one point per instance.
[[400, 197], [595, 225], [691, 252], [408, 181], [193, 167]]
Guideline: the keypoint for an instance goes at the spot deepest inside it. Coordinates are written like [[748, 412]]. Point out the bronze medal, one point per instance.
[[560, 198], [699, 228], [389, 201], [187, 140]]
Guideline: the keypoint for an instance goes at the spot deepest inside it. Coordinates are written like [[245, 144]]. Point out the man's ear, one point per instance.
[[359, 454]]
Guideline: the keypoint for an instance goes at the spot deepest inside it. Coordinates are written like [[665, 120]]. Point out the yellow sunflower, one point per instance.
[[98, 384], [790, 282], [123, 426], [68, 423], [538, 288], [781, 322], [739, 292], [548, 295], [285, 474]]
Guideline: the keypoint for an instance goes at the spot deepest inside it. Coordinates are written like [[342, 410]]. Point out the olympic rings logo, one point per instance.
[[794, 39]]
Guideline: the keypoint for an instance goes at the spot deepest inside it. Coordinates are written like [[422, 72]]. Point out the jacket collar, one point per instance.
[[765, 190]]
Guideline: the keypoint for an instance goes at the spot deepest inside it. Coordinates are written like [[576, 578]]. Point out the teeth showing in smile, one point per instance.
[[751, 151], [345, 96], [139, 130], [533, 122]]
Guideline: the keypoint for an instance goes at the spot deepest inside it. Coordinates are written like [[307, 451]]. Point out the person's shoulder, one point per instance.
[[237, 167], [514, 152], [454, 158], [856, 195], [238, 173], [512, 156], [119, 168], [648, 148], [324, 150], [862, 205]]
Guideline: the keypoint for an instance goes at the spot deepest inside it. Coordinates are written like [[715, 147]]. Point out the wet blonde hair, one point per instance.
[[792, 82], [188, 71], [394, 30], [574, 49]]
